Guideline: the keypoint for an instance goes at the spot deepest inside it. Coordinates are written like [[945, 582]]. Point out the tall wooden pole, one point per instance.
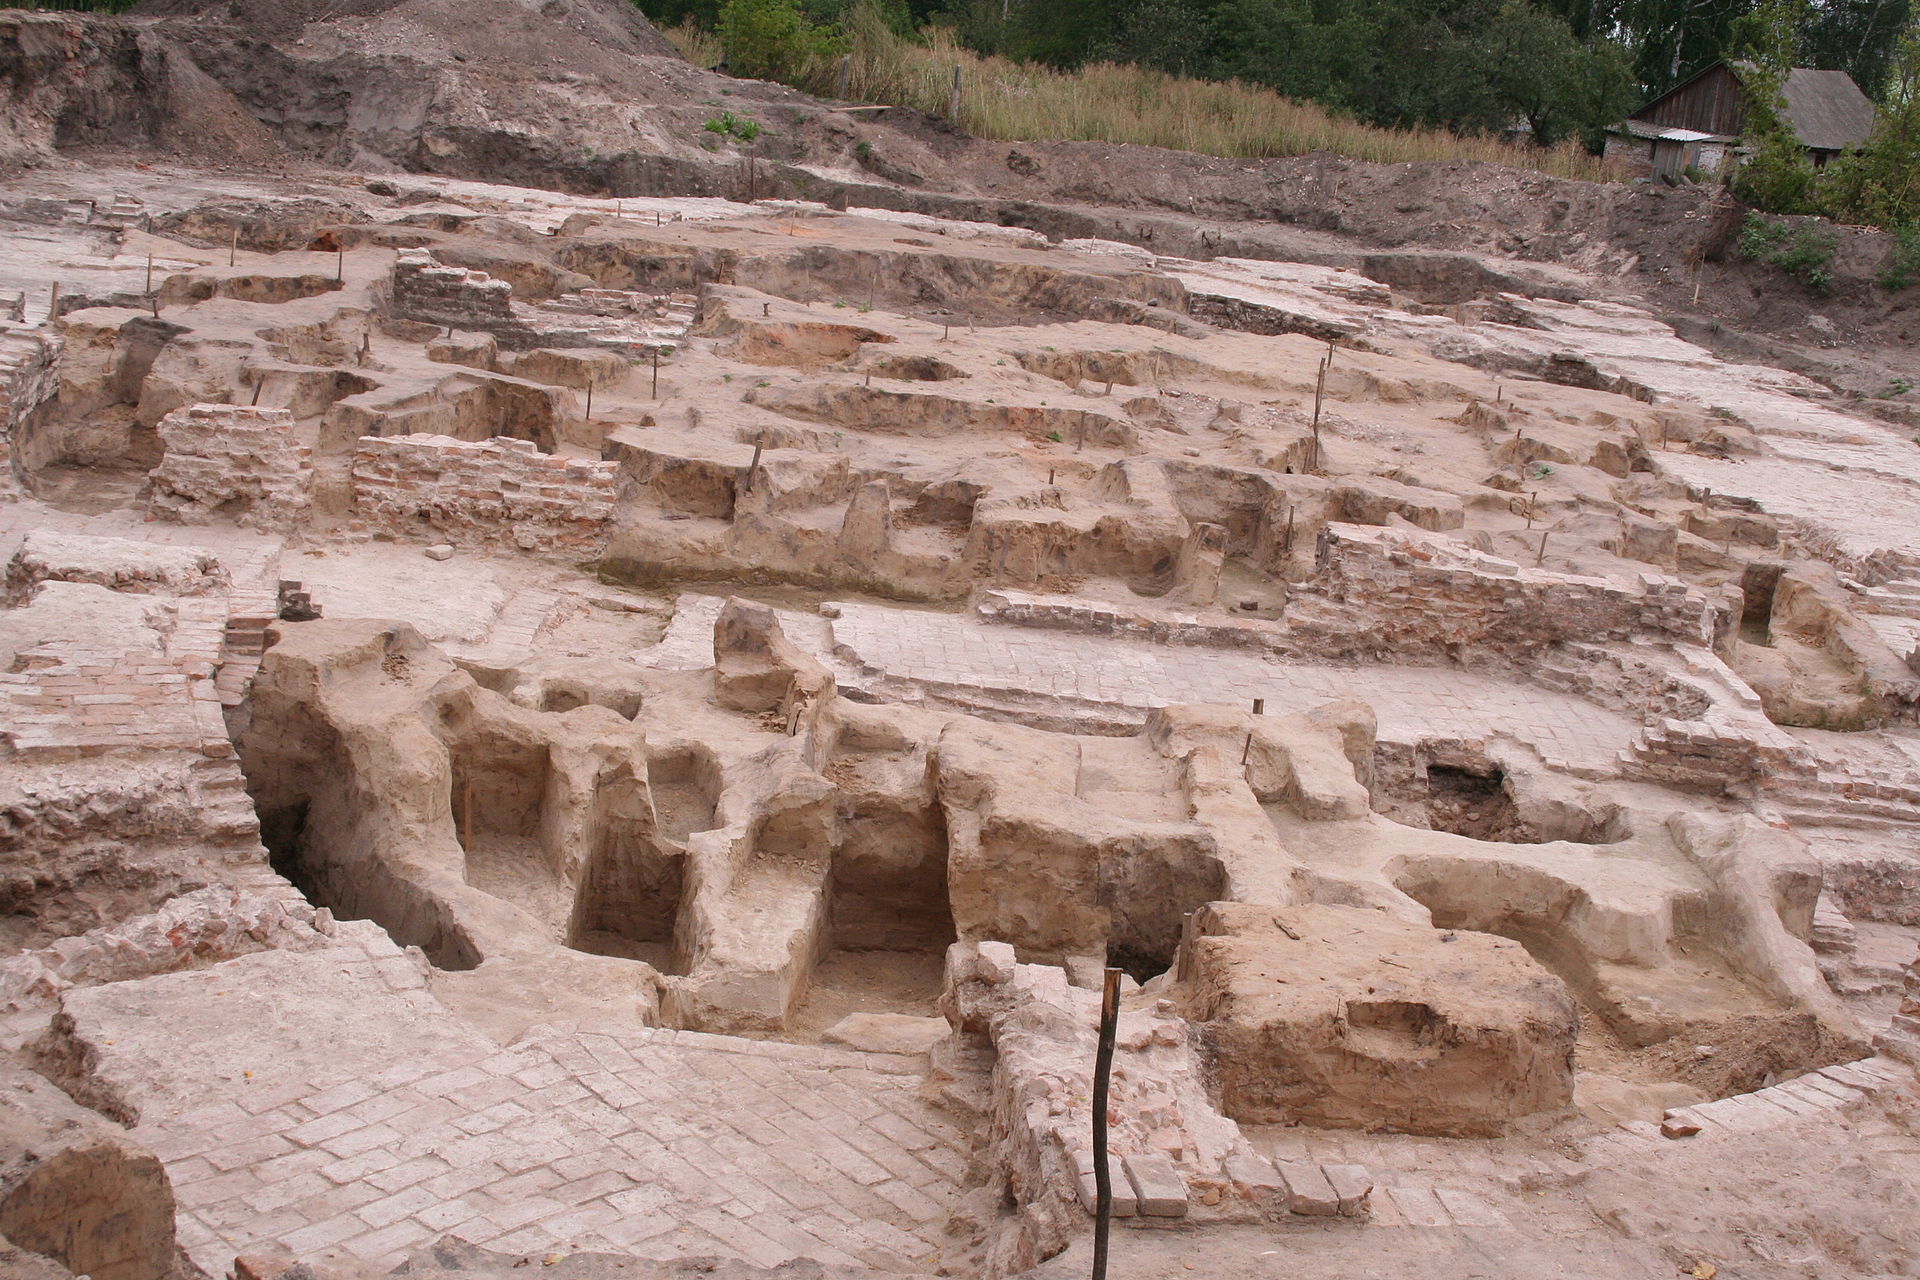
[[1102, 1073]]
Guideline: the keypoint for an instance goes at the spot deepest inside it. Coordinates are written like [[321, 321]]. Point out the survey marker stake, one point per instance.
[[1102, 1070]]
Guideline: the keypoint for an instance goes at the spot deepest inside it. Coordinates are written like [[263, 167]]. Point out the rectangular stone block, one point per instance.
[[1353, 1184], [1308, 1191], [1158, 1186], [1125, 1205]]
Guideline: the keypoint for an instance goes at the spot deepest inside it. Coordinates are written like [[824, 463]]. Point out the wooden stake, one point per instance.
[[1102, 1079], [340, 266], [1319, 397], [1542, 557], [1499, 393], [1696, 291], [1246, 749], [1049, 475], [945, 330], [256, 393], [656, 373], [149, 288], [589, 402], [953, 104], [846, 67], [869, 381], [753, 468], [1286, 546], [1532, 498], [233, 250], [53, 305]]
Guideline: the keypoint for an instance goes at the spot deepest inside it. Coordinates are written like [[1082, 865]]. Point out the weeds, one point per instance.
[[1903, 266], [1105, 102], [728, 125], [1805, 250]]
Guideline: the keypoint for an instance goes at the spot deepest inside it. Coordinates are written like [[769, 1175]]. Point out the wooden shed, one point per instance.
[[1825, 108]]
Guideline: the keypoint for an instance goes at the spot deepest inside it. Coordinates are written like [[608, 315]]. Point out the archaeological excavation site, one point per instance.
[[583, 695]]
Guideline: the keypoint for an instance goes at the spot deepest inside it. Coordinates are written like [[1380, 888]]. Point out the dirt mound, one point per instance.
[[75, 82], [556, 27]]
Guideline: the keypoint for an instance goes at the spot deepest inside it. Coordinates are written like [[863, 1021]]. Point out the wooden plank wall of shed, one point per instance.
[[1715, 103]]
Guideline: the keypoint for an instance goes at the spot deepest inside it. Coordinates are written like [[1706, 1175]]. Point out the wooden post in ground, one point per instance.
[[1532, 498], [233, 250], [953, 104], [753, 468], [340, 266], [846, 69], [256, 392], [656, 373], [149, 288], [1102, 1077], [1542, 557], [1319, 398], [589, 400], [53, 304]]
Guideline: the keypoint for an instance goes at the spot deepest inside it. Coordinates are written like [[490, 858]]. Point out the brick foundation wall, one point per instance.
[[29, 375], [428, 291], [439, 488], [1419, 592], [231, 462]]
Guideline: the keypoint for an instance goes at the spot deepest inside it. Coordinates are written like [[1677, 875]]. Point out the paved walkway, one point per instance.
[[661, 1144], [957, 655]]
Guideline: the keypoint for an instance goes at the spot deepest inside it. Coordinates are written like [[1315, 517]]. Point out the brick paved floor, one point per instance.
[[662, 1144], [956, 652]]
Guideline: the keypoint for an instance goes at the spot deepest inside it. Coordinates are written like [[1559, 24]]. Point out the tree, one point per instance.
[[1859, 37], [1881, 184], [769, 39], [1778, 175], [1538, 71]]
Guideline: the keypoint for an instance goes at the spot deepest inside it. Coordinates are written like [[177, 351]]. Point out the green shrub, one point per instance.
[[770, 39], [1806, 250], [1903, 267]]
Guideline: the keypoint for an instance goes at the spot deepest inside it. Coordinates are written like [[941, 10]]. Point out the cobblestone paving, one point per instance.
[[943, 651], [662, 1144]]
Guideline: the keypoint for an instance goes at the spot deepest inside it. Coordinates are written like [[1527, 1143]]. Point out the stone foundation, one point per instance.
[[1419, 592], [446, 489], [231, 462]]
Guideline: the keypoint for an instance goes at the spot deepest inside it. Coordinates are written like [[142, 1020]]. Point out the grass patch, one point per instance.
[[1805, 250], [1107, 102]]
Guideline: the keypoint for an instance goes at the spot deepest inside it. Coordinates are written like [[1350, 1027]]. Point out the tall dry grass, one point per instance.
[[1106, 102]]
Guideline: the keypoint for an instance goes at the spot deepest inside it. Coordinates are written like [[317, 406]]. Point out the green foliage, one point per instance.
[[1805, 249], [728, 125], [1881, 183], [1903, 265], [770, 39]]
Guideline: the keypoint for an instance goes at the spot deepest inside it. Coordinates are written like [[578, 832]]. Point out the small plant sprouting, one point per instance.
[[728, 125], [1054, 436], [1897, 388], [763, 383]]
